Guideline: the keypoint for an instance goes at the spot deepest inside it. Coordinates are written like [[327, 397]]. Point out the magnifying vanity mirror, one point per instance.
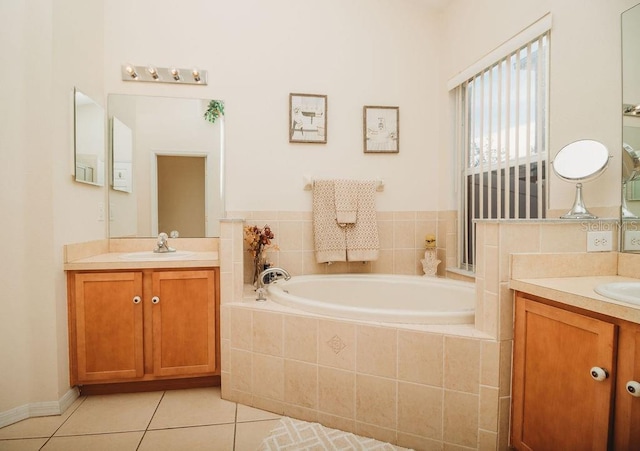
[[579, 162], [165, 167], [89, 140]]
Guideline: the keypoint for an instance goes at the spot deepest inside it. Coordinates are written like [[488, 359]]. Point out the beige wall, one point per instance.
[[41, 207], [360, 52]]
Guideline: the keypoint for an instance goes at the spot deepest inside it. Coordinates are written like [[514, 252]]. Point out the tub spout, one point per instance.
[[278, 273]]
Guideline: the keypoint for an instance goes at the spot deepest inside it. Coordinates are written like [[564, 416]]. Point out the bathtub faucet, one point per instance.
[[278, 273]]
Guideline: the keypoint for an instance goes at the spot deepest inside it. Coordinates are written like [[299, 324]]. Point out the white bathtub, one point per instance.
[[379, 297]]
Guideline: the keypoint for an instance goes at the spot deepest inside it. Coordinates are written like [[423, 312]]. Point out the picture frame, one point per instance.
[[307, 118], [381, 129]]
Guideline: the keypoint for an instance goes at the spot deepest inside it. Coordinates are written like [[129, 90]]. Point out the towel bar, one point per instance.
[[308, 184]]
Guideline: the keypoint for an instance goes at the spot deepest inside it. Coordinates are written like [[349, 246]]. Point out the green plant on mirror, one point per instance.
[[215, 109]]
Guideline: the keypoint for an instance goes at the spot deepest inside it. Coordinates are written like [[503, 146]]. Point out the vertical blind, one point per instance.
[[501, 133]]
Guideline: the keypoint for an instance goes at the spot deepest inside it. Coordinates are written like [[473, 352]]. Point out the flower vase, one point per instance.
[[259, 265]]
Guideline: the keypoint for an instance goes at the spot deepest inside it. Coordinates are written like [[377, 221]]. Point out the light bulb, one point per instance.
[[196, 74], [153, 72], [175, 73], [131, 70]]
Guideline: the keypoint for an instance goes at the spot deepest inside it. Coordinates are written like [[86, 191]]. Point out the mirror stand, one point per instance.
[[578, 211]]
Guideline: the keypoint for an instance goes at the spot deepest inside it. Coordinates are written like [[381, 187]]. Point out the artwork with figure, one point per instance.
[[307, 118], [381, 129]]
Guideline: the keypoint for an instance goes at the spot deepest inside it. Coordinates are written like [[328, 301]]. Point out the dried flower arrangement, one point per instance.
[[258, 241]]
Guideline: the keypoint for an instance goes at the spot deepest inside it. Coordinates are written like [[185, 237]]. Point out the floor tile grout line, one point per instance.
[[235, 427], [64, 422], [147, 428], [151, 419]]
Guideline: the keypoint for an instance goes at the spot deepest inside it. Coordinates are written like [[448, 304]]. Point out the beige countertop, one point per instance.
[[115, 260], [579, 292]]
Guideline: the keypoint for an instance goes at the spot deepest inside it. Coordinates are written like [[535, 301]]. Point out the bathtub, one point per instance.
[[379, 297]]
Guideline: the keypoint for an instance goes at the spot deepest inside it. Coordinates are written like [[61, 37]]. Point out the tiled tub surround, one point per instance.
[[421, 387], [258, 372]]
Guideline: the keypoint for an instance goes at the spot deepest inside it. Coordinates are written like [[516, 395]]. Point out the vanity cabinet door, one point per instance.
[[184, 322], [627, 408], [557, 404], [106, 325]]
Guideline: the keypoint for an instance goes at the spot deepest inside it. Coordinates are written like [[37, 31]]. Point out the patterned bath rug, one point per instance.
[[297, 435]]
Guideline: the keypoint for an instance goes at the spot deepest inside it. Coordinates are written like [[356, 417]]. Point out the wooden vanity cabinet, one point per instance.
[[560, 398], [143, 325]]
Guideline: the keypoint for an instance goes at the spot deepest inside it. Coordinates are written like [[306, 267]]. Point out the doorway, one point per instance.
[[181, 195]]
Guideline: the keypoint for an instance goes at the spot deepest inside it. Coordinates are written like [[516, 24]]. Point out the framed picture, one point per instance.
[[307, 118], [381, 129]]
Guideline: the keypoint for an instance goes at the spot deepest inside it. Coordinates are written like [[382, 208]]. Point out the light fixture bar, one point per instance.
[[153, 74]]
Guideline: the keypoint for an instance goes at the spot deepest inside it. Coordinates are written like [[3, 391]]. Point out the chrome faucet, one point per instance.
[[162, 245], [277, 273]]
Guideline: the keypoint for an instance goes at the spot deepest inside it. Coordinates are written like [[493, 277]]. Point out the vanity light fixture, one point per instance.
[[155, 74]]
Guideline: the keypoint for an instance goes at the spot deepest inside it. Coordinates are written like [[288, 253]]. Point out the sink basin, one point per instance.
[[621, 291], [150, 255]]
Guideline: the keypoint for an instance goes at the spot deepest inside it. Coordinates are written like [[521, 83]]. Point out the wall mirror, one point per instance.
[[89, 140], [166, 168], [579, 162], [630, 110]]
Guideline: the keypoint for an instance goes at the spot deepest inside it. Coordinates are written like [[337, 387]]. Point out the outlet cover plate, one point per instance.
[[632, 240], [600, 241]]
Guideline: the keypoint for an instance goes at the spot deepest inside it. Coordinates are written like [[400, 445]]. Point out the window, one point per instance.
[[501, 137]]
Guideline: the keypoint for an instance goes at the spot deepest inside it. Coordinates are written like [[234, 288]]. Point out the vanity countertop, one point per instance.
[[579, 292], [115, 261]]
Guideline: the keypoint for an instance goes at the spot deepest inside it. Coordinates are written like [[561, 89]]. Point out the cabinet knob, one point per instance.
[[136, 299], [633, 388], [155, 300], [599, 374]]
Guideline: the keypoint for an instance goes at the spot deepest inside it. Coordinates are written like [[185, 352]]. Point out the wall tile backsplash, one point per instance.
[[401, 242]]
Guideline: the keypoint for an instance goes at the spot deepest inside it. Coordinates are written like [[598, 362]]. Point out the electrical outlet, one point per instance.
[[101, 211], [632, 240], [599, 241]]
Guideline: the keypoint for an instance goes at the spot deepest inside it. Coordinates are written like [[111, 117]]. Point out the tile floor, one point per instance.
[[193, 419]]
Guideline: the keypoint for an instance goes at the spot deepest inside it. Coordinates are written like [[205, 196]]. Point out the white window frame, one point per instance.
[[487, 166]]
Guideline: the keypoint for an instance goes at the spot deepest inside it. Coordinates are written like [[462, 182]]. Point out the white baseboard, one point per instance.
[[39, 409]]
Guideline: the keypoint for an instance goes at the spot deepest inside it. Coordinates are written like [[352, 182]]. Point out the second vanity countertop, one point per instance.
[[115, 260], [579, 292]]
